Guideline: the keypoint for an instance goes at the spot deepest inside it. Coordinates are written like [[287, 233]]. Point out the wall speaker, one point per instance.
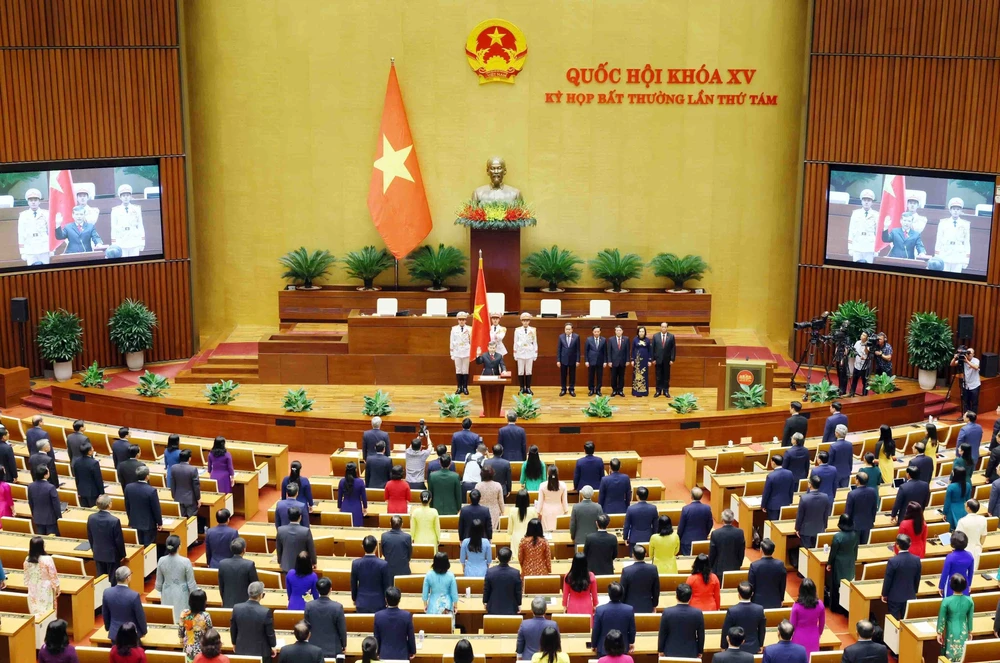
[[965, 324], [19, 309], [989, 365]]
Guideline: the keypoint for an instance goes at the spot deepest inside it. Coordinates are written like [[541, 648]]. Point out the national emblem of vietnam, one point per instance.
[[496, 51]]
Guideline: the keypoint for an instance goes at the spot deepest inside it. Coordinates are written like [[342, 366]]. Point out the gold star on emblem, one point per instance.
[[496, 37], [475, 312], [392, 163]]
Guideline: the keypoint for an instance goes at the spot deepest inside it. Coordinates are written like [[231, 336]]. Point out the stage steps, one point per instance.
[[241, 369], [40, 399]]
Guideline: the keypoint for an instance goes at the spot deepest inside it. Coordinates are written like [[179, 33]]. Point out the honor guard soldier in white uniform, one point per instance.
[[525, 352], [33, 231], [861, 231], [912, 205], [91, 213], [127, 232], [461, 349], [497, 333], [952, 244]]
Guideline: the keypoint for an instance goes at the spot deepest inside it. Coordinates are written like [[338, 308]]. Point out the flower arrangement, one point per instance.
[[495, 215]]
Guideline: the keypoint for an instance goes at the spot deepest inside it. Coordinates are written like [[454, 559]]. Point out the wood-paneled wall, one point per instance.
[[98, 79], [901, 83]]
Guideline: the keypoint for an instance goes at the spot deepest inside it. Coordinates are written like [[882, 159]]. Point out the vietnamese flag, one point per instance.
[[61, 202], [891, 208], [396, 197], [480, 315]]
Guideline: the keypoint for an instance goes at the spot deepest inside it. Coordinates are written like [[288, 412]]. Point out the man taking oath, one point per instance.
[[567, 357], [461, 340], [491, 360], [595, 357], [664, 353]]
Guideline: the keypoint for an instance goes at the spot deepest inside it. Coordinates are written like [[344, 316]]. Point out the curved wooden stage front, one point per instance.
[[644, 425]]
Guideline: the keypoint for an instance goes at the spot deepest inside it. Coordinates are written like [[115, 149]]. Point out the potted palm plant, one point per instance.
[[131, 331], [679, 270], [366, 264], [426, 264], [928, 343], [554, 266], [615, 269], [60, 339], [860, 317], [304, 267]]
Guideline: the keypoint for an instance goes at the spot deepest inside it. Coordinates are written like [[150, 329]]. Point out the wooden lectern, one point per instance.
[[491, 387], [749, 372]]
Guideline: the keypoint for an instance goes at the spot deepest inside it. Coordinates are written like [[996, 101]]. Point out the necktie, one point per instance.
[[906, 234], [619, 342], [36, 214]]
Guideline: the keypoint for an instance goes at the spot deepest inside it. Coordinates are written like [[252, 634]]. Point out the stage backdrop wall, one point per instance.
[[285, 102], [863, 54]]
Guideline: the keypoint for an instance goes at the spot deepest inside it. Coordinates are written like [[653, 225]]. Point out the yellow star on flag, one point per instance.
[[475, 312], [392, 163], [496, 37]]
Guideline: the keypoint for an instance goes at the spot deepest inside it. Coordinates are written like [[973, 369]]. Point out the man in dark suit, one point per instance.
[[377, 467], [397, 548], [529, 633], [369, 579], [664, 354], [779, 487], [186, 489], [864, 650], [589, 470], [371, 437], [862, 506], [34, 434], [595, 356], [435, 465], [912, 490], [326, 621], [501, 468], [902, 578], [972, 434], [474, 511], [906, 242], [502, 589], [7, 461], [640, 519], [613, 616], [619, 353], [107, 543], [82, 235], [768, 577], [992, 463], [842, 456], [796, 459], [445, 487], [513, 439], [567, 358], [583, 517], [142, 504], [218, 538], [749, 617], [251, 627], [43, 500], [293, 538], [76, 440], [464, 442], [394, 629], [491, 360], [733, 640], [236, 574], [301, 651], [795, 423], [641, 583], [615, 490], [119, 448], [814, 511], [785, 651], [601, 548], [835, 419], [44, 457], [682, 628], [925, 463], [128, 469], [283, 508], [827, 475], [121, 604], [726, 546], [88, 477], [696, 521]]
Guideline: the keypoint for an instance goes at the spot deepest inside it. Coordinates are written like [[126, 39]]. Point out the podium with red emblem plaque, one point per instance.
[[744, 372]]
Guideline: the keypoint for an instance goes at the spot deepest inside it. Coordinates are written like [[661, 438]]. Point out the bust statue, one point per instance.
[[496, 191]]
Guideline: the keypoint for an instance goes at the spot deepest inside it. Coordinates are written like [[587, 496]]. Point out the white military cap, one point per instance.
[[956, 202], [912, 195], [124, 188], [33, 193], [462, 314], [868, 193], [525, 316]]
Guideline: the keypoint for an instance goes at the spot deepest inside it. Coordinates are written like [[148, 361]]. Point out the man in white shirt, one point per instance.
[[860, 370], [861, 230], [952, 244], [460, 348], [974, 526], [127, 232], [33, 231], [970, 379]]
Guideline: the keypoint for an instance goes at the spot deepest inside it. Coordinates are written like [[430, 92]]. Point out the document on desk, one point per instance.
[[925, 627]]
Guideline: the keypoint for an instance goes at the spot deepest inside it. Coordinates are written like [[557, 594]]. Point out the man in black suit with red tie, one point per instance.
[[567, 357], [664, 353], [595, 355], [618, 359]]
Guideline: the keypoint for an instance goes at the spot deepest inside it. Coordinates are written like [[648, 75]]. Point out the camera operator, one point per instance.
[[970, 379], [883, 356], [860, 369]]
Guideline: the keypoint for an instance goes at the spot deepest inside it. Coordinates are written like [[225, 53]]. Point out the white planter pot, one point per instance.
[[134, 360], [927, 379], [63, 370]]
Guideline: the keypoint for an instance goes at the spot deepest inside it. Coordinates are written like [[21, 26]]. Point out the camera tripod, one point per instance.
[[808, 360], [947, 394]]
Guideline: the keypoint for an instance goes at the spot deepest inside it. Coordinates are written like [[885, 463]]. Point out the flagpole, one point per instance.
[[396, 260]]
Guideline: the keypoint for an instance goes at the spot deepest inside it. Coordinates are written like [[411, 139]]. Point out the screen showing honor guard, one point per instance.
[[62, 218], [894, 221]]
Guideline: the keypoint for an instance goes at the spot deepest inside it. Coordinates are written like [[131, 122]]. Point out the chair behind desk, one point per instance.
[[982, 651], [102, 655], [494, 624]]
